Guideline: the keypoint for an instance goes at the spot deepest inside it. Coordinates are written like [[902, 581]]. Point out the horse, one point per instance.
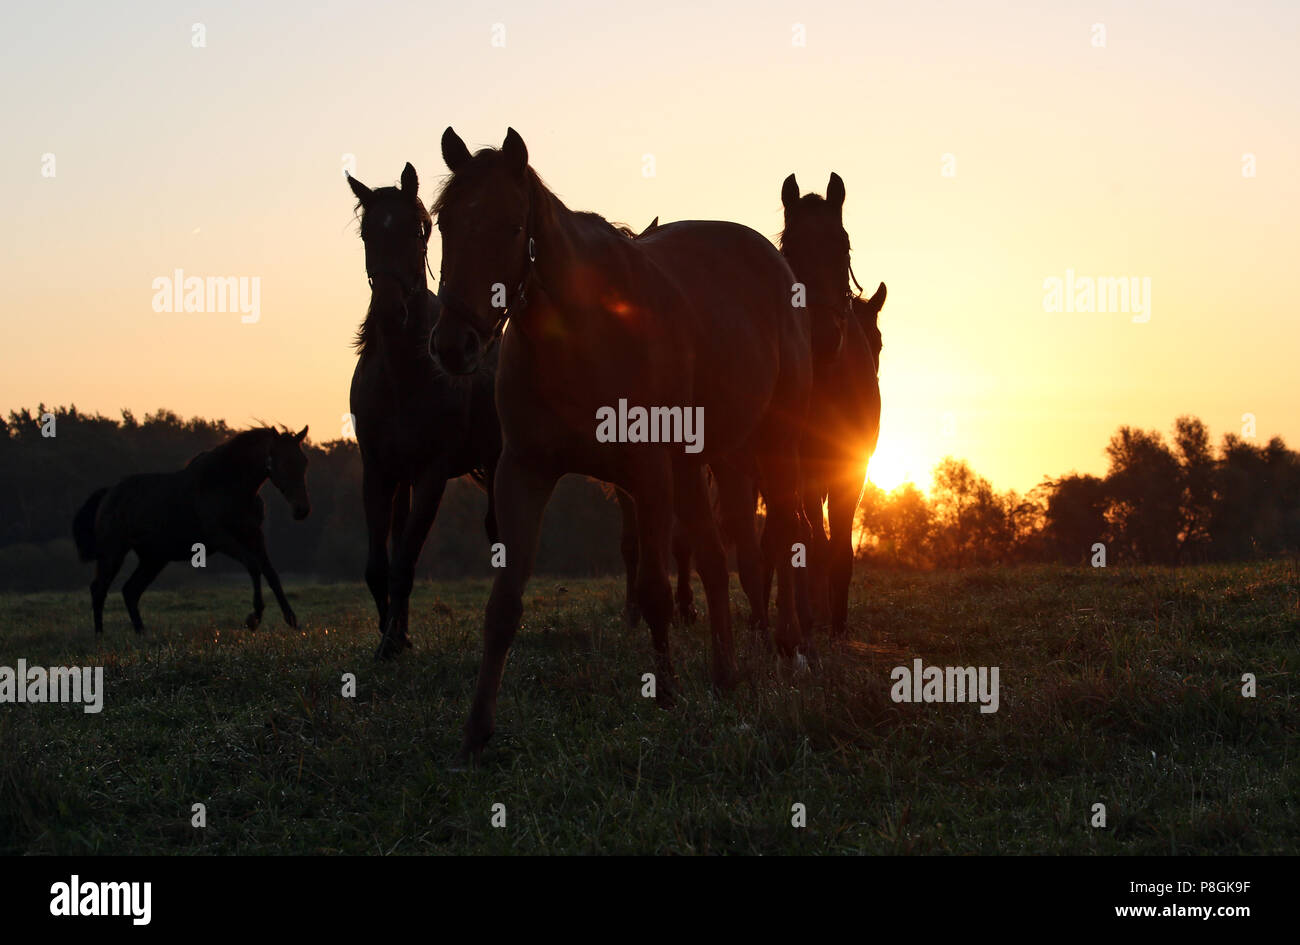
[[213, 501], [416, 425], [694, 316], [843, 424]]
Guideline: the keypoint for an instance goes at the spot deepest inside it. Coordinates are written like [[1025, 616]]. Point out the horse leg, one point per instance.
[[142, 577], [686, 611], [628, 546], [736, 495], [401, 512], [697, 517], [783, 528], [263, 562], [378, 496], [426, 497], [814, 494], [653, 492], [490, 520], [522, 494], [106, 568], [254, 619], [844, 498]]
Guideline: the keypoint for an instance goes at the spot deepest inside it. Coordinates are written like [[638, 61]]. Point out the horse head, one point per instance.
[[817, 247], [395, 229], [286, 467], [485, 216]]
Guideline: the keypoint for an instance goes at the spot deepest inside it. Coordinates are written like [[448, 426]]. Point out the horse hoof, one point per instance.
[[471, 749], [390, 648], [292, 620], [253, 621], [666, 696], [467, 759], [786, 649], [726, 680]]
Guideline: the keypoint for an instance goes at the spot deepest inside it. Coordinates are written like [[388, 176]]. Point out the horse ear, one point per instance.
[[363, 193], [789, 192], [515, 150], [454, 151], [302, 434], [410, 183], [835, 190], [877, 301]]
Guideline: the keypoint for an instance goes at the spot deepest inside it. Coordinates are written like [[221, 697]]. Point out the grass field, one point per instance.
[[1119, 687]]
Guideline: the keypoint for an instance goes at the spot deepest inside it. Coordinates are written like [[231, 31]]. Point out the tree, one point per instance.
[[1145, 514]]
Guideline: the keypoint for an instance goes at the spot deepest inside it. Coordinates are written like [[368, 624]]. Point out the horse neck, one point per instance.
[[401, 334], [558, 234], [238, 466]]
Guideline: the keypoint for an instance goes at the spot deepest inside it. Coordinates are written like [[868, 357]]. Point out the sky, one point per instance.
[[986, 148]]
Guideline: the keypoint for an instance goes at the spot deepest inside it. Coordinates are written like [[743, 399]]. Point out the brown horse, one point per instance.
[[213, 501], [694, 315], [844, 411], [416, 427]]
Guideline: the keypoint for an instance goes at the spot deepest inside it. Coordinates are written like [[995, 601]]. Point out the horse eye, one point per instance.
[[519, 228]]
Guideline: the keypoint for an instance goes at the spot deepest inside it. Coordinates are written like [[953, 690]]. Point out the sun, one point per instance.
[[889, 469]]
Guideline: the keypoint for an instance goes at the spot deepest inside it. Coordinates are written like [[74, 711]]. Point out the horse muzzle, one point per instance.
[[456, 346]]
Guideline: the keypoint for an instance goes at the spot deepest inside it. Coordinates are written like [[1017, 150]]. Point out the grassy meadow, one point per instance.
[[1118, 686]]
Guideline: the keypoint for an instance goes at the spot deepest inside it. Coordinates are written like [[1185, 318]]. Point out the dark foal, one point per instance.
[[213, 501]]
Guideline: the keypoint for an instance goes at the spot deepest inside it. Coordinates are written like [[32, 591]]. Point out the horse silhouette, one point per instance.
[[416, 426], [213, 501], [843, 423]]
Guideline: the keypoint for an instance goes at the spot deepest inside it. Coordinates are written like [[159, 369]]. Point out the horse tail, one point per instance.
[[83, 526]]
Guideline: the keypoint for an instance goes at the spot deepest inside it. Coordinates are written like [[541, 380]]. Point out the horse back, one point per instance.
[[153, 514], [751, 344]]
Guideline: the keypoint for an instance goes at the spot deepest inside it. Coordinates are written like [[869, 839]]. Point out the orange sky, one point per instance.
[[1117, 161]]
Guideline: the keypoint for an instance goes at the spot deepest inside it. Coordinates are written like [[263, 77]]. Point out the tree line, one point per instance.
[[1162, 501], [1175, 501]]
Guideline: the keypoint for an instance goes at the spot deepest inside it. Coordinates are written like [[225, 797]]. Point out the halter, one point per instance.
[[410, 293], [520, 296], [855, 280]]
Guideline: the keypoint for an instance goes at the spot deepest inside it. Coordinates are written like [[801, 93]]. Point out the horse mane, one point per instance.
[[242, 450], [488, 160], [361, 340]]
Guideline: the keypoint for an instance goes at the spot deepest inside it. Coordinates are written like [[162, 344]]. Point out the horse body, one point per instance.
[[693, 314], [213, 501], [416, 426], [585, 344]]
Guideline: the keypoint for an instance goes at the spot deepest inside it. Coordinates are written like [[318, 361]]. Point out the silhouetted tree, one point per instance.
[[1196, 481], [1076, 517], [1143, 485]]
